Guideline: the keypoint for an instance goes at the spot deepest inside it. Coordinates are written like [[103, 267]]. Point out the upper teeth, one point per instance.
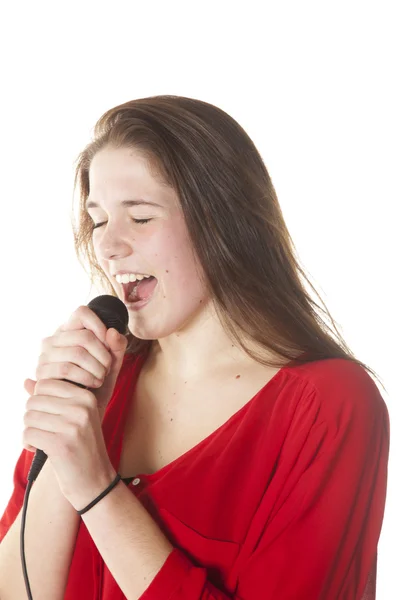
[[127, 277]]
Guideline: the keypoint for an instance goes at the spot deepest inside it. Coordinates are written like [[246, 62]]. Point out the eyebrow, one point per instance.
[[127, 203]]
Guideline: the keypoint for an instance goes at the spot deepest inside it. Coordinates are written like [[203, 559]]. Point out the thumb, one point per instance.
[[29, 385], [117, 344], [116, 341]]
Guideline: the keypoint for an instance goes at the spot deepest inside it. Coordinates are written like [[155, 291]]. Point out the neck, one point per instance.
[[199, 350]]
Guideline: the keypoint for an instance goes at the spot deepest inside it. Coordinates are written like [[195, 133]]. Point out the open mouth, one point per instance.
[[134, 291]]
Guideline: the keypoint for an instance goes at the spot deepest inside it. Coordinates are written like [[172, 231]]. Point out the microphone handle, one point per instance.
[[40, 456]]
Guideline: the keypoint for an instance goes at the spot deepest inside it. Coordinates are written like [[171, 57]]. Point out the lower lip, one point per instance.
[[140, 303]]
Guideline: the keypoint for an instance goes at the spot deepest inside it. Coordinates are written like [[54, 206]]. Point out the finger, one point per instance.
[[82, 338], [84, 318], [56, 390], [44, 421], [48, 404], [51, 405], [68, 417], [118, 344], [68, 372], [33, 439], [71, 361]]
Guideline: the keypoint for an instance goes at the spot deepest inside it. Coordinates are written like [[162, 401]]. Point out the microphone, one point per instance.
[[113, 313]]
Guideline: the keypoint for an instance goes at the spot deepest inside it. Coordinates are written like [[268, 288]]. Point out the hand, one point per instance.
[[84, 351], [63, 419]]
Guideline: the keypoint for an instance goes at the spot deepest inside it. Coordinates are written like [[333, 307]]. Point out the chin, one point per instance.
[[141, 333]]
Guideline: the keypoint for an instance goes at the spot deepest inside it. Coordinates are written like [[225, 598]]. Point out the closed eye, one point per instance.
[[139, 221]]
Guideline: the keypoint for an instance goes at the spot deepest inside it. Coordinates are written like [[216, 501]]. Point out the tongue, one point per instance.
[[144, 289]]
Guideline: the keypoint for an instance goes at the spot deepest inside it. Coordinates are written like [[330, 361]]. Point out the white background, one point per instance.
[[315, 84]]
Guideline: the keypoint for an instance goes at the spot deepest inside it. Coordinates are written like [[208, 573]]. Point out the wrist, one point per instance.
[[93, 489], [104, 493]]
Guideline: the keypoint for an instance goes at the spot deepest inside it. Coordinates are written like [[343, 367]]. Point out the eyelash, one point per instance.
[[139, 221]]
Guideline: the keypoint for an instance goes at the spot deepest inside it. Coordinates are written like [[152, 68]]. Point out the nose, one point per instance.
[[111, 244]]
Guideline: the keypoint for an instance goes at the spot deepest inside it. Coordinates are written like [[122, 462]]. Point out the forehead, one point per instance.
[[123, 174], [111, 165]]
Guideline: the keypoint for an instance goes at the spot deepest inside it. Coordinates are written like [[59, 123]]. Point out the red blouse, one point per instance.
[[285, 500]]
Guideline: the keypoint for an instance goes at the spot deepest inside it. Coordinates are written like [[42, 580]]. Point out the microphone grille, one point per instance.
[[112, 312]]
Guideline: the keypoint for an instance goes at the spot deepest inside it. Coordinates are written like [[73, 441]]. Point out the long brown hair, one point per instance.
[[234, 220]]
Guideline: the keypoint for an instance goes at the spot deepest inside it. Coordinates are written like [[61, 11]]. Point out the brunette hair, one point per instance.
[[234, 220]]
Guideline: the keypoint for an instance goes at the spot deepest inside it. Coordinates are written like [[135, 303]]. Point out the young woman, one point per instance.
[[251, 444]]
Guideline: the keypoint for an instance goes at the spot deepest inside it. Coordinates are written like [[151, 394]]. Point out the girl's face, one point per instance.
[[122, 191]]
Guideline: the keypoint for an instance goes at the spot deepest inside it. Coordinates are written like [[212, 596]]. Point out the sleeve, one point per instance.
[[16, 501], [319, 538]]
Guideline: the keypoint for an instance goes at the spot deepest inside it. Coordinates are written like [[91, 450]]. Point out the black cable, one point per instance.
[[22, 542]]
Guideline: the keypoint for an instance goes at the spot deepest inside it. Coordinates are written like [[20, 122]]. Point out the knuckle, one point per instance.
[[88, 379], [94, 381], [65, 370], [64, 443], [72, 435], [42, 358], [88, 335], [40, 387], [45, 342], [79, 353], [90, 399], [82, 416], [42, 372], [81, 310]]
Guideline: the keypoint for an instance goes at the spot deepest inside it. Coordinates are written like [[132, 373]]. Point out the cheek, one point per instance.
[[177, 255], [184, 271], [167, 245]]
